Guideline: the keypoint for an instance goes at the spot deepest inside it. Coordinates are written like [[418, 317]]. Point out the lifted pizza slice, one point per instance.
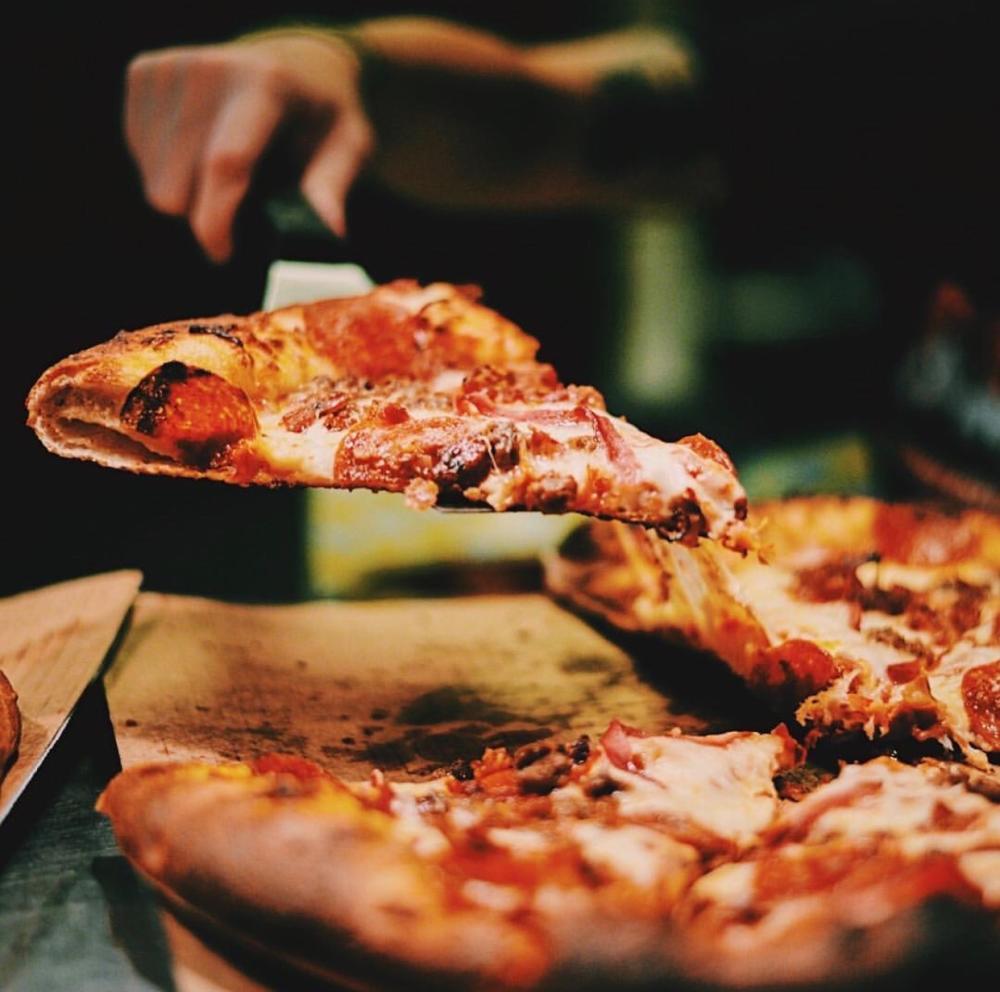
[[413, 389]]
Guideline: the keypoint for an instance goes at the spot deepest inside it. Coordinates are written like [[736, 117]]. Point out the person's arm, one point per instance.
[[449, 114], [464, 118]]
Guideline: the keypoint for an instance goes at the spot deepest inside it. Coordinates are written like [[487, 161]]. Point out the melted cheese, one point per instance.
[[489, 895], [645, 857], [946, 681], [307, 455], [886, 799], [730, 885], [718, 786], [523, 842], [982, 869]]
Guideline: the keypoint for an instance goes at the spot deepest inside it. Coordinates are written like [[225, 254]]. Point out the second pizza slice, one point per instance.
[[868, 619]]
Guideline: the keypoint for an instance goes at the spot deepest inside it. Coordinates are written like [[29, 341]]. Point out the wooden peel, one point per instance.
[[52, 644]]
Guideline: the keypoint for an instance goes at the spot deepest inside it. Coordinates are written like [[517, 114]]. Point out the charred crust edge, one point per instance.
[[222, 331]]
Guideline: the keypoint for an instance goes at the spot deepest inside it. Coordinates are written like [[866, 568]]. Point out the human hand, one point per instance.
[[198, 120]]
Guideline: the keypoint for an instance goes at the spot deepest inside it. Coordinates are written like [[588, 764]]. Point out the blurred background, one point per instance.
[[827, 312]]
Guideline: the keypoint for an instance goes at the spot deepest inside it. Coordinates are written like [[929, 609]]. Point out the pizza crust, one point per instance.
[[302, 867]]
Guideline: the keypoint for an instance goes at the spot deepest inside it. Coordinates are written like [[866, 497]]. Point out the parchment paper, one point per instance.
[[408, 686], [52, 643]]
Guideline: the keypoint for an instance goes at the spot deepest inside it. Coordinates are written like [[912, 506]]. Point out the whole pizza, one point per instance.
[[645, 858]]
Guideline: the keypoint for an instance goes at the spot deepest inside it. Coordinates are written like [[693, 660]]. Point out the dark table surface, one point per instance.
[[72, 913]]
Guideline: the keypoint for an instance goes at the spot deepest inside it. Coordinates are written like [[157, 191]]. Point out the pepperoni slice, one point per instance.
[[826, 869], [617, 745], [801, 665], [708, 449], [188, 413], [288, 764], [618, 450], [981, 695], [904, 671], [543, 416], [914, 535], [367, 338]]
